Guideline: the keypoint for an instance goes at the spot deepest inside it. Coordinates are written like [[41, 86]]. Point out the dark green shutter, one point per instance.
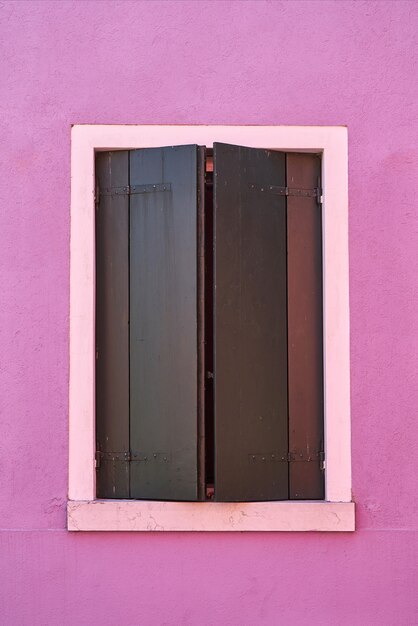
[[250, 326], [163, 323], [305, 337], [112, 329]]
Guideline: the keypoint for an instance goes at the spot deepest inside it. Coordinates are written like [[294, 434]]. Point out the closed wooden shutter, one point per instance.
[[163, 323], [250, 325], [305, 337]]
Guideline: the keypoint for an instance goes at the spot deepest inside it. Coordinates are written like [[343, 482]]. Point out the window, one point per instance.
[[209, 324], [252, 282]]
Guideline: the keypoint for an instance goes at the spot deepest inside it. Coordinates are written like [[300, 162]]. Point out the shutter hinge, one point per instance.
[[289, 191], [319, 193], [130, 457], [296, 456], [268, 457], [123, 457], [287, 457], [96, 195], [129, 190]]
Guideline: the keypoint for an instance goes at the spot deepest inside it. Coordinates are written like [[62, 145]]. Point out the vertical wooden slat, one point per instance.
[[209, 417], [163, 325], [304, 243], [251, 428], [201, 159], [112, 329]]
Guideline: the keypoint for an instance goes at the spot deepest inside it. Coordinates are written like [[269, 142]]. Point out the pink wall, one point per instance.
[[351, 63]]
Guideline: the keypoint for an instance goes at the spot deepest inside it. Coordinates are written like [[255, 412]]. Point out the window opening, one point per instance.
[[121, 195]]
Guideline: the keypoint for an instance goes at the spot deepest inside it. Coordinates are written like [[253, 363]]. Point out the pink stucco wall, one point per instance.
[[352, 63]]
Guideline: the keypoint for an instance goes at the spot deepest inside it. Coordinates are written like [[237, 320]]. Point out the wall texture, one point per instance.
[[350, 63]]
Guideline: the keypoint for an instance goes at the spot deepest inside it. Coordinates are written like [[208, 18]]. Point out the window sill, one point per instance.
[[136, 515]]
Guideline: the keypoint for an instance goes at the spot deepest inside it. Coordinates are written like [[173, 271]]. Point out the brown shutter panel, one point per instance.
[[163, 323], [250, 326], [112, 329], [305, 337]]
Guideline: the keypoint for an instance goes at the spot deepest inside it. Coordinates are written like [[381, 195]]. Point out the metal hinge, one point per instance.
[[129, 190], [131, 457], [268, 457], [289, 191], [296, 456], [96, 195], [287, 457], [125, 457]]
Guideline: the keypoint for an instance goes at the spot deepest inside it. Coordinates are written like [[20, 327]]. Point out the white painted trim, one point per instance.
[[332, 142], [210, 516]]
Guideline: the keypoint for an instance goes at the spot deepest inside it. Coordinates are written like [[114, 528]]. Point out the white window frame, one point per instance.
[[85, 511]]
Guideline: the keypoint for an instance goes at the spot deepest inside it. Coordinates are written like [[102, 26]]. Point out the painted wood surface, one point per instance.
[[163, 325], [250, 326], [305, 336], [112, 326]]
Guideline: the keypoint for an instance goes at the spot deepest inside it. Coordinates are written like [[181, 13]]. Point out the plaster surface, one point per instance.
[[331, 63]]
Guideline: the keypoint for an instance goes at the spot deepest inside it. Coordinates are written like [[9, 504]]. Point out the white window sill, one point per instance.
[[139, 515]]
